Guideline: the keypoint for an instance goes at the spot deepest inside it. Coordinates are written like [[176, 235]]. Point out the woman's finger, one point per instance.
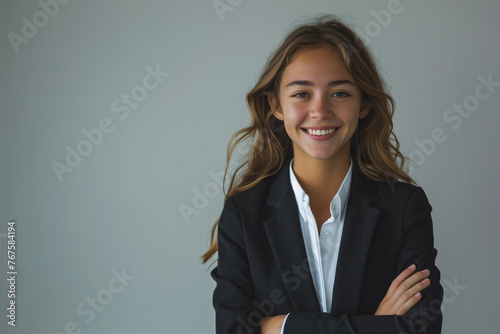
[[400, 279], [403, 309], [408, 283], [410, 293]]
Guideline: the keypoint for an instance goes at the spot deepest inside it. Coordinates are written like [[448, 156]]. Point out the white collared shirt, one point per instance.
[[322, 248]]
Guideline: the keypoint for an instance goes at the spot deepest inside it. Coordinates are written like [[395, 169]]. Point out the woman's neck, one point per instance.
[[321, 179]]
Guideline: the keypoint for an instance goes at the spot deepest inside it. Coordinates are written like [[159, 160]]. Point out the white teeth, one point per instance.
[[320, 132]]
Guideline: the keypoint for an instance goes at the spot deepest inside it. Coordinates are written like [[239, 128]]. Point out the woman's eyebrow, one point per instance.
[[310, 83]]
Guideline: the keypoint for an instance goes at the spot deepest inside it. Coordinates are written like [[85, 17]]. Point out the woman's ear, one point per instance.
[[272, 103], [365, 110]]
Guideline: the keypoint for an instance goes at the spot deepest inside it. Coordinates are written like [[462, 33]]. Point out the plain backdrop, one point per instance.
[[110, 229]]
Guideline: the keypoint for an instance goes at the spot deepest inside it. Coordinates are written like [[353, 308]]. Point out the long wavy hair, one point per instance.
[[374, 147]]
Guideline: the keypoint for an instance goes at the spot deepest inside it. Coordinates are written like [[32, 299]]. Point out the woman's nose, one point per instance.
[[320, 109]]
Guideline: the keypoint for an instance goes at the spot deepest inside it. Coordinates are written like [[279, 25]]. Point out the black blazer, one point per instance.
[[263, 268]]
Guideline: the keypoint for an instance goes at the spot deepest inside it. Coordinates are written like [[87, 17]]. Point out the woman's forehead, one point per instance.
[[317, 66]]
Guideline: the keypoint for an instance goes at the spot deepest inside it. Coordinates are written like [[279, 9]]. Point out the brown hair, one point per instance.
[[374, 147]]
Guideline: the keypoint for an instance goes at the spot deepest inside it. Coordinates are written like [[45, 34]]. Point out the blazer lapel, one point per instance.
[[360, 221], [287, 243]]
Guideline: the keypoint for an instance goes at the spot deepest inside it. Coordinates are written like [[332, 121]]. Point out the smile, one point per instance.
[[321, 132]]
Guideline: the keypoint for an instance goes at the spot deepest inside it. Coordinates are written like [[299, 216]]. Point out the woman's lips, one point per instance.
[[320, 132]]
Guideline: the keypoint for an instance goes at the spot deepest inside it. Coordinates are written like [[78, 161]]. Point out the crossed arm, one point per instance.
[[403, 294]]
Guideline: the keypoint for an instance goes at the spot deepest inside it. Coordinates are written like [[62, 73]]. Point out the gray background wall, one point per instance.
[[118, 212]]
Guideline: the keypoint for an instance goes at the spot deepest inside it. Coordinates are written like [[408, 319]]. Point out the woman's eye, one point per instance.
[[300, 95], [340, 94]]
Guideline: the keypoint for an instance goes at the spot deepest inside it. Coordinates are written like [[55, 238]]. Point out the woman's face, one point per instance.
[[320, 105]]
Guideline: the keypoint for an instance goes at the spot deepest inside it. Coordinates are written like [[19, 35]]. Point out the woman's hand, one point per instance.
[[404, 292], [272, 325]]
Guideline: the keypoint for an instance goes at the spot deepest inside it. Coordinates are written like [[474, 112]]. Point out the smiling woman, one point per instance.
[[319, 101], [323, 231]]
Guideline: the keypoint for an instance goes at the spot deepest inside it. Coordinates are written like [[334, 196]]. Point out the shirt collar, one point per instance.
[[339, 202]]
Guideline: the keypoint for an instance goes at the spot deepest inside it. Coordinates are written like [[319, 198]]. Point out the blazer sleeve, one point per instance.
[[425, 317], [234, 293]]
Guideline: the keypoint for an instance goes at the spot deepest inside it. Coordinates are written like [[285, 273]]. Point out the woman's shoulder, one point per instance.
[[401, 192], [389, 189], [258, 192], [264, 195], [248, 207]]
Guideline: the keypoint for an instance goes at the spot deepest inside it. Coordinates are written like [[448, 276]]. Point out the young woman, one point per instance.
[[323, 232]]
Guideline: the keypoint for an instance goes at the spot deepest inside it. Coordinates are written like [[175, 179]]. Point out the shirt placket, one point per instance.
[[315, 243]]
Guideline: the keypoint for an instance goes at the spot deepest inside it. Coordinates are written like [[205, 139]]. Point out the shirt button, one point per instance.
[[326, 235]]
